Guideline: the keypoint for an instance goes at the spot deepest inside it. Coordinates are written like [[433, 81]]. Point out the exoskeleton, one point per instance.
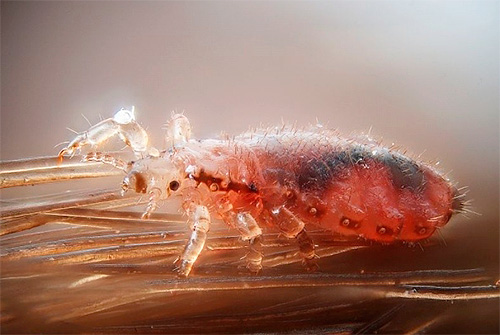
[[283, 177]]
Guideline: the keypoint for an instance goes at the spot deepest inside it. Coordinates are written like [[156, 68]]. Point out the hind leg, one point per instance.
[[250, 231], [293, 227], [306, 247]]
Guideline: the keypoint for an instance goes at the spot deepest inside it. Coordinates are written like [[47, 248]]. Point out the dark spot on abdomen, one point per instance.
[[317, 173], [405, 173], [281, 176], [314, 175]]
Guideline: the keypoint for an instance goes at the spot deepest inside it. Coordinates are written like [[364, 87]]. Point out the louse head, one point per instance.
[[150, 173]]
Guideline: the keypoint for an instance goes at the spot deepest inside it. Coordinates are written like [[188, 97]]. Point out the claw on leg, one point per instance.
[[73, 146], [201, 225]]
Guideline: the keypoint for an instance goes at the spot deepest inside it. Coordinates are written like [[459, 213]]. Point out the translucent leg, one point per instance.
[[250, 231], [306, 247], [201, 225], [122, 123], [106, 159], [178, 130], [293, 227], [288, 223], [154, 197]]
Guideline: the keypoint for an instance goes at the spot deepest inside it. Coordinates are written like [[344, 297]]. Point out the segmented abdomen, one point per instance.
[[354, 188]]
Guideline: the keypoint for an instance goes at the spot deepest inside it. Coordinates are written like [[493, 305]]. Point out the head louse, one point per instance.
[[289, 177]]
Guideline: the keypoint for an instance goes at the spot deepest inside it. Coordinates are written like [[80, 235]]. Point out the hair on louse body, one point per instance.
[[286, 177]]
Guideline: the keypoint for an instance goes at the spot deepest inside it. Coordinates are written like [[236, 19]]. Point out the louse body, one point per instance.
[[282, 177]]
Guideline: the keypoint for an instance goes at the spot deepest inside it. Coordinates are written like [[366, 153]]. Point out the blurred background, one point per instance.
[[423, 75]]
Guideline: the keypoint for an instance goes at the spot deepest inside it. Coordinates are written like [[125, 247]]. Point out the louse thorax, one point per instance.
[[220, 174]]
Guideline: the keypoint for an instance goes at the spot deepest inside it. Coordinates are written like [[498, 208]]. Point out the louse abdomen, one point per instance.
[[378, 208], [364, 191]]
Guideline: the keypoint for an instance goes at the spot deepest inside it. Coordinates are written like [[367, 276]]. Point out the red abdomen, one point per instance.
[[356, 189]]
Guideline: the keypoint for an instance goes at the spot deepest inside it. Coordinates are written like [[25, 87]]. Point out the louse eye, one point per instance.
[[174, 185]]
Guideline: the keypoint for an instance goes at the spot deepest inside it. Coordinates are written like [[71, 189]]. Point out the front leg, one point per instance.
[[154, 198], [122, 123], [200, 218]]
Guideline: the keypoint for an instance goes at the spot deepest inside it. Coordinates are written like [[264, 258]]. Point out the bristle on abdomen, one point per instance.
[[460, 203]]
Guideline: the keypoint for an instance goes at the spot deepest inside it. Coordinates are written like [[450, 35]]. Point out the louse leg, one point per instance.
[[106, 159], [306, 247], [293, 227], [200, 217], [178, 130], [250, 231], [123, 124], [154, 198]]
